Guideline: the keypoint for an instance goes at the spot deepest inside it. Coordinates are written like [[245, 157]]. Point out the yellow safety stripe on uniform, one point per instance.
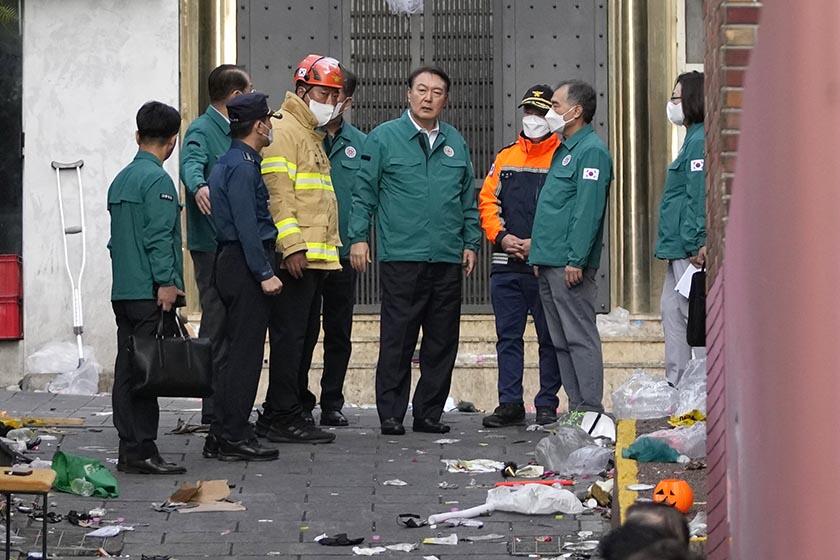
[[321, 252], [318, 181], [278, 164], [287, 227]]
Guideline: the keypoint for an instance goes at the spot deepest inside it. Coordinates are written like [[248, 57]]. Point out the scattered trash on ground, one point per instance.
[[640, 487], [109, 531], [411, 520], [460, 522], [692, 387], [643, 396], [203, 496], [601, 492], [84, 476], [687, 420], [451, 540], [402, 547], [511, 470], [446, 441], [340, 539], [483, 538], [472, 465], [690, 441], [359, 551], [650, 450], [182, 427], [698, 526], [617, 323], [571, 451], [447, 486], [395, 482]]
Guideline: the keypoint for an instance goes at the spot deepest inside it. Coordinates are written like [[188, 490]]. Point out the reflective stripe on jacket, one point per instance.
[[508, 199], [301, 198]]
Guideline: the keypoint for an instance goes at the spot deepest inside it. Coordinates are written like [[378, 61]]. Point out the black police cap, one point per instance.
[[248, 107], [538, 96]]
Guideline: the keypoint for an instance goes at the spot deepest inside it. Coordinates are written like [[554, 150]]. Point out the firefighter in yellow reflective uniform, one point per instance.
[[303, 206]]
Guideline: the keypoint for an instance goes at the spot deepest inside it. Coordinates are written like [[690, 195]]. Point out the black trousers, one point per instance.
[[417, 295], [293, 333], [247, 309], [135, 418], [212, 318], [339, 295]]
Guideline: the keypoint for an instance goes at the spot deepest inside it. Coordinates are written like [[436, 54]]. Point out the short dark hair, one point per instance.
[[226, 79], [581, 93], [350, 82], [436, 70], [157, 122], [623, 541], [669, 549], [693, 102], [239, 130], [661, 516]]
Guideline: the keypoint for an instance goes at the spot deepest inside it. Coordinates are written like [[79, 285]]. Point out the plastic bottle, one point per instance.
[[81, 487]]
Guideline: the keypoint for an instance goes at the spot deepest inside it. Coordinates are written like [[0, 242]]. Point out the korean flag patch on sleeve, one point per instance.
[[591, 173], [697, 165]]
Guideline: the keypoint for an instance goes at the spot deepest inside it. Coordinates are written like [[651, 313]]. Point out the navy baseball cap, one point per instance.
[[248, 107]]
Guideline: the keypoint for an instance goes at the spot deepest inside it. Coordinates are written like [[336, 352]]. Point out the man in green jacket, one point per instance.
[[416, 176], [343, 145], [206, 140], [147, 270], [566, 242]]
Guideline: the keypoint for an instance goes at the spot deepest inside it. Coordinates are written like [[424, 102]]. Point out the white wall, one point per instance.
[[88, 65]]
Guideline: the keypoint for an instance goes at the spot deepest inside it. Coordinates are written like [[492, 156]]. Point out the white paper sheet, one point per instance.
[[684, 284]]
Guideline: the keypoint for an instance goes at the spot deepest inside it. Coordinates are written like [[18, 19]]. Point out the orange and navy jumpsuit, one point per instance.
[[507, 205]]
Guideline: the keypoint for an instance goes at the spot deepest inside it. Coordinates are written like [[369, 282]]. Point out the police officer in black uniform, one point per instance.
[[244, 277]]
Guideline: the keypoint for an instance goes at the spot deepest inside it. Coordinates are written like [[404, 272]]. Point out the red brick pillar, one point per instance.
[[731, 29]]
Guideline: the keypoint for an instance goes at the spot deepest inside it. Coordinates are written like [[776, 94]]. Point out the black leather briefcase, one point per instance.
[[171, 366], [696, 329]]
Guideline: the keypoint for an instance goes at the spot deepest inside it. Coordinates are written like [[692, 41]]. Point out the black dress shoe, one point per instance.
[[429, 426], [392, 427], [333, 418], [546, 415], [211, 447], [506, 414], [245, 450], [152, 465]]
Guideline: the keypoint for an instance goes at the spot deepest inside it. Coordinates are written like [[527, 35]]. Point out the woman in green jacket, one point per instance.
[[681, 239]]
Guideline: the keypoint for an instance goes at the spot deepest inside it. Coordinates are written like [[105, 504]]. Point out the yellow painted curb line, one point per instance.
[[627, 469]]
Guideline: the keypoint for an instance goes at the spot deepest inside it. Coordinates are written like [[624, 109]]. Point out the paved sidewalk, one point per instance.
[[335, 488]]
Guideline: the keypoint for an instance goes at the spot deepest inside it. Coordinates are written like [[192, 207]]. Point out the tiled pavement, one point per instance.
[[310, 490]]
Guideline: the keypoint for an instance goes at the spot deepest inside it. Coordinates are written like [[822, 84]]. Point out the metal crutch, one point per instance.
[[75, 284]]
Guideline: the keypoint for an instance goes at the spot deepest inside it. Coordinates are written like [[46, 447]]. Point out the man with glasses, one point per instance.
[[416, 177], [304, 209]]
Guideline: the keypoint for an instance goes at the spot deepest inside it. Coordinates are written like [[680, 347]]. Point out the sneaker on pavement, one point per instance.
[[299, 432], [506, 414], [546, 415]]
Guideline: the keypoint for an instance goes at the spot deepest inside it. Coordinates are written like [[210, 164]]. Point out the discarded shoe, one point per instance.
[[299, 432], [333, 418], [340, 539], [506, 414], [392, 427], [245, 450], [429, 426], [411, 520]]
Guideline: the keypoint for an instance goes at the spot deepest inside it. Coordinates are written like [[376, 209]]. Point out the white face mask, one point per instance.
[[675, 113], [534, 126], [269, 136], [323, 112], [556, 123]]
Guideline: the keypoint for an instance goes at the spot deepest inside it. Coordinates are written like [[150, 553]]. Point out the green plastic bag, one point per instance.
[[651, 450], [69, 467]]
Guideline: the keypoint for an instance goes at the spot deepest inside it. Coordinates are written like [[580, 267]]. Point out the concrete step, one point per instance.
[[477, 384]]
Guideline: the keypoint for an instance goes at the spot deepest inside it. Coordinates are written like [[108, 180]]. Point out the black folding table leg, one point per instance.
[[8, 526], [44, 533]]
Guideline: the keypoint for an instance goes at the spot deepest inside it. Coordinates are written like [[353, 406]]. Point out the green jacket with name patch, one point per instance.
[[344, 151], [206, 140], [424, 199], [145, 242], [682, 212], [569, 223]]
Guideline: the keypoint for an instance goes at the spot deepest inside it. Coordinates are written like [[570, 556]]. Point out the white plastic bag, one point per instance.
[[615, 323], [572, 452], [692, 387], [405, 6], [643, 397], [83, 380], [56, 357], [534, 499], [690, 441]]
